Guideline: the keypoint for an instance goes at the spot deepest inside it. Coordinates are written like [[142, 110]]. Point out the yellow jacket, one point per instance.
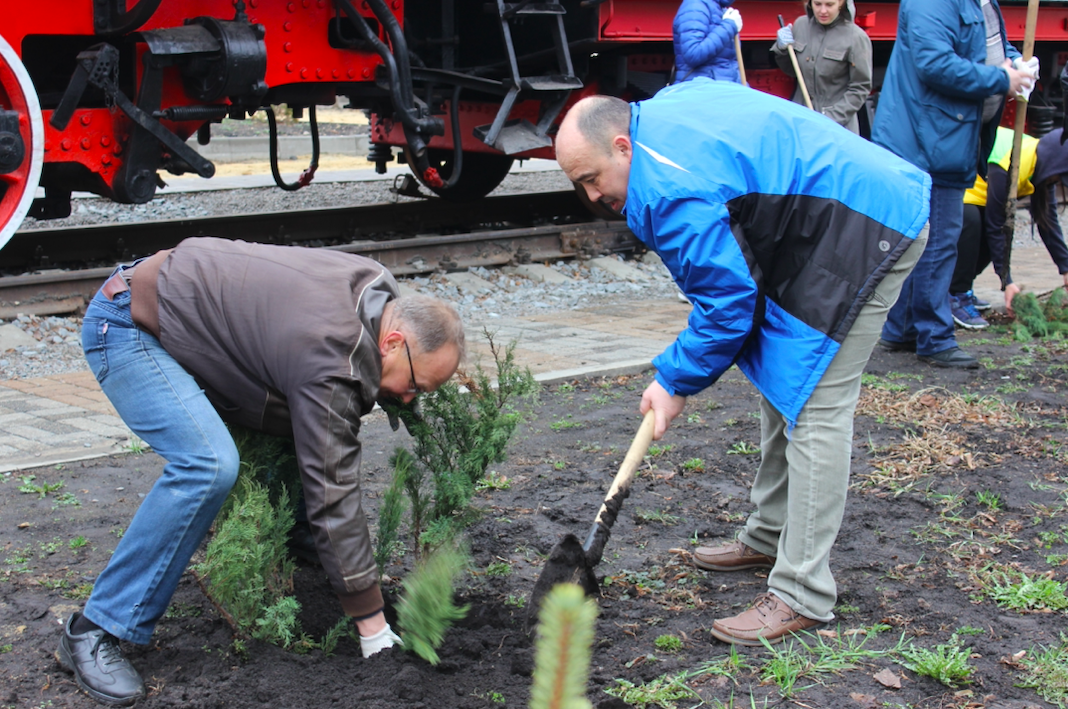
[[1000, 156]]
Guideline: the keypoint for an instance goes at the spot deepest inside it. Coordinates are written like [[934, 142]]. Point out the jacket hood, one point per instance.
[[1052, 158], [849, 11], [725, 3]]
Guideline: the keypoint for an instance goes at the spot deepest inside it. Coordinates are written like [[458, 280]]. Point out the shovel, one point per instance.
[[797, 70], [571, 562]]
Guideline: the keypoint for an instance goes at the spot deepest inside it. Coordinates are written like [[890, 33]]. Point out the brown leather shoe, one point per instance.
[[769, 618], [735, 556]]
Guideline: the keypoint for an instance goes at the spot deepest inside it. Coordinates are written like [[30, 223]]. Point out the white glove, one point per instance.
[[734, 16], [383, 639], [784, 37], [1030, 67]]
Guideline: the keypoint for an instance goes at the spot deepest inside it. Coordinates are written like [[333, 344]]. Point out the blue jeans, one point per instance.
[[922, 312], [162, 404]]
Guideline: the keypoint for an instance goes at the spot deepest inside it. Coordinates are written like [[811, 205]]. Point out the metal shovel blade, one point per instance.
[[572, 562]]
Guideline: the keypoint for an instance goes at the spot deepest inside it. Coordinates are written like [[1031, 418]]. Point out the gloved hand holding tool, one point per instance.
[[1029, 67], [785, 36], [570, 562], [797, 67], [736, 17]]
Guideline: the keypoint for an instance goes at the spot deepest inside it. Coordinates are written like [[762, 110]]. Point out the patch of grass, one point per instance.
[[566, 388], [1020, 592], [694, 465], [947, 663], [1045, 670], [500, 568], [29, 487], [668, 643], [68, 499], [78, 542], [493, 481], [565, 423], [135, 446], [662, 692], [81, 592], [656, 450], [660, 517], [743, 448], [990, 500], [516, 601], [808, 656]]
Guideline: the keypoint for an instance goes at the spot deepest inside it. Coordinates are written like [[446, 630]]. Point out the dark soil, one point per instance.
[[910, 448]]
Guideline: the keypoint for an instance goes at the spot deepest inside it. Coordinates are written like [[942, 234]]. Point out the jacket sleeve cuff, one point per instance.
[[362, 603]]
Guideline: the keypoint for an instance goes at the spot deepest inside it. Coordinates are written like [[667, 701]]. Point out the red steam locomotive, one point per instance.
[[98, 96]]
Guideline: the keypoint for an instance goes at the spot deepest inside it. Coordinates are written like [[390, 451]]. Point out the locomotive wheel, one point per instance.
[[479, 175], [18, 186]]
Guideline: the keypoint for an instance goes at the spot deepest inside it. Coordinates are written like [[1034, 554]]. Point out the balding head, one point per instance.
[[593, 148]]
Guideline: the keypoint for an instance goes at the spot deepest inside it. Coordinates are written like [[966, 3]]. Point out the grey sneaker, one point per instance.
[[99, 667]]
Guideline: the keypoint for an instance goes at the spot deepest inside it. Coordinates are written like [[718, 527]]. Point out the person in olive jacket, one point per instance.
[[835, 59]]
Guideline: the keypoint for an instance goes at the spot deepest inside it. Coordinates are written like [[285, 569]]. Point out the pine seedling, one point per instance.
[[391, 513], [562, 650], [247, 565], [279, 622], [1056, 307], [458, 435], [426, 609]]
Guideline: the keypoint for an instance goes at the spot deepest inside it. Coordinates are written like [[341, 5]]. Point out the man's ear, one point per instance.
[[390, 342], [622, 144]]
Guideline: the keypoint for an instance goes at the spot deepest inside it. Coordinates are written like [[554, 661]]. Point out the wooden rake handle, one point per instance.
[[606, 516]]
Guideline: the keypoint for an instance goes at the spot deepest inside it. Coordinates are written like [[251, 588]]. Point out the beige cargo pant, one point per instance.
[[800, 487]]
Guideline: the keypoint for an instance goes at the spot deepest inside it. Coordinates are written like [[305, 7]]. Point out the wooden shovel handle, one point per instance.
[[606, 516], [797, 71], [738, 54]]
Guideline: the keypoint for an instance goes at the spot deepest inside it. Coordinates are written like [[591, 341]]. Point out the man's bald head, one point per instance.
[[599, 119]]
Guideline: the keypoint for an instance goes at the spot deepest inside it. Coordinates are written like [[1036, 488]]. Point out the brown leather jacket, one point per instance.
[[284, 340]]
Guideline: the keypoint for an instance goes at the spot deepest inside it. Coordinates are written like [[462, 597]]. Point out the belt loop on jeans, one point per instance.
[[114, 285]]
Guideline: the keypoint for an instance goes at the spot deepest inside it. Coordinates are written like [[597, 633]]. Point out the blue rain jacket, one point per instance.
[[704, 42], [777, 224], [931, 104]]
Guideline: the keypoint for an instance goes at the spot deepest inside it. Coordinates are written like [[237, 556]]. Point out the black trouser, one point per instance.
[[973, 252]]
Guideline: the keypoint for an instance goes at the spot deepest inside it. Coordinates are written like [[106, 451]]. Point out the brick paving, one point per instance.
[[65, 417]]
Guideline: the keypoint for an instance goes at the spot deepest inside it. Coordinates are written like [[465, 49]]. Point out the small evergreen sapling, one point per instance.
[[562, 650], [426, 609], [458, 435]]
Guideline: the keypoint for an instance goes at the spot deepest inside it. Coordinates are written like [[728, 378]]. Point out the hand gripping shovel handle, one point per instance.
[[797, 70], [606, 517]]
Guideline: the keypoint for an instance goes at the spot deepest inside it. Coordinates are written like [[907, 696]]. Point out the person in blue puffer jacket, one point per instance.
[[939, 109], [704, 33], [776, 224]]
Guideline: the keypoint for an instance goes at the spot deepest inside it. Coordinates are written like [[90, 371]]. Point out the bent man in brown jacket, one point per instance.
[[286, 340]]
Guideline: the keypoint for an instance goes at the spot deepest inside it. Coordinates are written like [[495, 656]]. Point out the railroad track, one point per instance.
[[496, 232]]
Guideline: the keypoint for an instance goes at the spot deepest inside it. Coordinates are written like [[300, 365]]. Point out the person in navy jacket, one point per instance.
[[776, 224], [704, 32], [939, 108]]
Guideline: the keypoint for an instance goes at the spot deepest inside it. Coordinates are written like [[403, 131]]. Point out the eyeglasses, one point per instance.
[[413, 388]]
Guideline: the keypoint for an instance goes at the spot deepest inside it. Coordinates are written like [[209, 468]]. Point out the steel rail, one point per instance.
[[58, 291], [35, 249]]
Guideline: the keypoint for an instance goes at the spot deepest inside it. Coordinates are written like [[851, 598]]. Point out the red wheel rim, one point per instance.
[[20, 185]]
